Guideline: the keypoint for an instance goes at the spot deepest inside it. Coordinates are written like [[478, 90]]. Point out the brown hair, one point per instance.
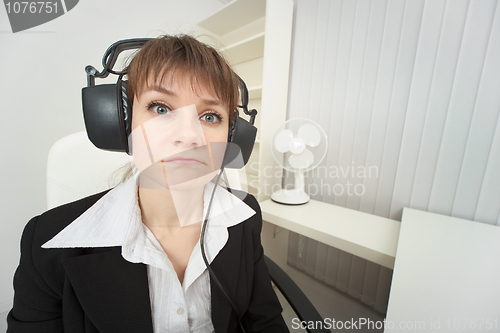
[[162, 57]]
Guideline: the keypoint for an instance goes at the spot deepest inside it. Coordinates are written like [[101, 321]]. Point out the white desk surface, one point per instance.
[[371, 237], [446, 277]]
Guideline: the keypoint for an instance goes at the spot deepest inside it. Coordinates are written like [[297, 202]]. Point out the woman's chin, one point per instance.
[[178, 179], [192, 184]]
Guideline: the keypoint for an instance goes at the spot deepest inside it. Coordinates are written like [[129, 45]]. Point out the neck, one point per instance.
[[170, 210]]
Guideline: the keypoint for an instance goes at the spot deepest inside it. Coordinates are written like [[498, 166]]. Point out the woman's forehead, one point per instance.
[[182, 83]]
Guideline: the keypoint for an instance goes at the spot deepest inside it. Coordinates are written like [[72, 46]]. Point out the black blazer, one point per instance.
[[88, 290]]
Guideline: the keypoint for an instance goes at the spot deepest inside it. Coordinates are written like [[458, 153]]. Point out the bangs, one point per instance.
[[168, 58]]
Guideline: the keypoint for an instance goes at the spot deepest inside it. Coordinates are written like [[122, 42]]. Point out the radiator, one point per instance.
[[364, 280]]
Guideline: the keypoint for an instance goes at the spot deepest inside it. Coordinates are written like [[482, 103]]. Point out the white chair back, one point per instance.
[[76, 169]]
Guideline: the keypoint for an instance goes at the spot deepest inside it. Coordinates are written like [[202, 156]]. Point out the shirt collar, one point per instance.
[[115, 219]]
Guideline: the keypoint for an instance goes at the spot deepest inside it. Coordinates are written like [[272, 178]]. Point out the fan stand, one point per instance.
[[295, 196]]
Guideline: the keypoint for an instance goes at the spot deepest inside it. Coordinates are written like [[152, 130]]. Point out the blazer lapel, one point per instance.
[[113, 292], [230, 279]]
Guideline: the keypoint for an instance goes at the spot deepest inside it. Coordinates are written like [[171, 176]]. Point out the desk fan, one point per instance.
[[298, 145]]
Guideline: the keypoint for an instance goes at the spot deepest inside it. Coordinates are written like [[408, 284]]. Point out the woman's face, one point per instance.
[[179, 134]]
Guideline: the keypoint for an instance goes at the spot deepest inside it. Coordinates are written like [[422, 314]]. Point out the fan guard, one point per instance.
[[299, 145]]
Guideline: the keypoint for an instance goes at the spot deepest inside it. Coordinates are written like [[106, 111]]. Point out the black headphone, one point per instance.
[[108, 113]]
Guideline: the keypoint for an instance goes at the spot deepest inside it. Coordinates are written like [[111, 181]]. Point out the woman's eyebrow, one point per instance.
[[161, 89], [213, 102]]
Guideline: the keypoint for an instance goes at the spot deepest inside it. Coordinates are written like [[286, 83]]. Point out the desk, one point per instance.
[[371, 237], [446, 276]]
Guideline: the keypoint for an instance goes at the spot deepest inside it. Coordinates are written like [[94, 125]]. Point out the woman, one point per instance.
[[129, 260]]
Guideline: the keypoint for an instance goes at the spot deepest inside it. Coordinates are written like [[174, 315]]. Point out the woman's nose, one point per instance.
[[187, 130]]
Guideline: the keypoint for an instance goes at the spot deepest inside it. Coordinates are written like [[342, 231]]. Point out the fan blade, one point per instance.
[[301, 161], [310, 135], [283, 140]]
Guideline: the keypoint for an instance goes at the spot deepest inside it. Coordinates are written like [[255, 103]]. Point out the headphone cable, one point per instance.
[[203, 254]]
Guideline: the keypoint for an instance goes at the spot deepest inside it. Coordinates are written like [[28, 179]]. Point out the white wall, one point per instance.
[[42, 73]]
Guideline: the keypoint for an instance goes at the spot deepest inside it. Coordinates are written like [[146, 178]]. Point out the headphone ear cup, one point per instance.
[[240, 143], [126, 108], [106, 112]]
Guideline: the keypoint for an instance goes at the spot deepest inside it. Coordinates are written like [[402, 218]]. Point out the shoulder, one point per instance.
[[47, 263], [45, 226], [253, 225], [247, 198]]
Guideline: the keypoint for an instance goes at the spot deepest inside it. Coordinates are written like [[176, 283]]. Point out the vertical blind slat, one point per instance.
[[488, 207], [421, 85], [388, 56], [357, 274], [481, 130], [311, 256], [344, 270], [370, 284], [341, 75], [384, 285], [332, 267], [410, 30], [321, 60], [367, 97], [442, 83], [352, 95], [321, 262], [468, 73]]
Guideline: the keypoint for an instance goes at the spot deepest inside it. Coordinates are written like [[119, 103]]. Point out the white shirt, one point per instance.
[[115, 220]]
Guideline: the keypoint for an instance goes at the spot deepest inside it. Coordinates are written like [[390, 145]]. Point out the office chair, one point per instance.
[[76, 168]]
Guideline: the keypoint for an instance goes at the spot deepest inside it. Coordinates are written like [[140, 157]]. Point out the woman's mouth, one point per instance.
[[182, 160]]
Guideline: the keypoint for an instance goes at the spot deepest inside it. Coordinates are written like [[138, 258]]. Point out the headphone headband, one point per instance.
[[110, 57]]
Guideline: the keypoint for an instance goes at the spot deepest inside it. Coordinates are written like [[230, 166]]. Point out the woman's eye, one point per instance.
[[161, 109], [158, 108], [211, 118]]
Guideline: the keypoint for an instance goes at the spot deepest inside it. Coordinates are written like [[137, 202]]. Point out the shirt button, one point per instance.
[[180, 311]]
